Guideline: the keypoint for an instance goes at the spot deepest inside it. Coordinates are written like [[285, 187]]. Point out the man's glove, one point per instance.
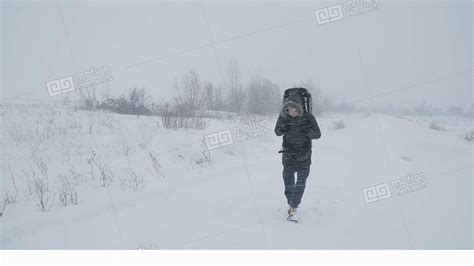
[[285, 127], [305, 131]]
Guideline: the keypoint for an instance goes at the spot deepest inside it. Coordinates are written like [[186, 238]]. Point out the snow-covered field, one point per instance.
[[142, 186]]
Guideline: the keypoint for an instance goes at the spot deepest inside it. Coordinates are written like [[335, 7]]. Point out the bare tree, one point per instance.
[[138, 102], [234, 86], [219, 103], [209, 95], [263, 96], [189, 94], [88, 99], [155, 106]]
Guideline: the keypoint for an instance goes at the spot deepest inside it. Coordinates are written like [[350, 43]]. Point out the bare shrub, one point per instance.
[[13, 179], [88, 99], [44, 196], [16, 133], [169, 120], [468, 136], [90, 162], [3, 205], [106, 176], [91, 119], [131, 180], [75, 177], [28, 181], [104, 173], [205, 158], [193, 122], [433, 125], [67, 192], [136, 102], [338, 125], [155, 163], [6, 199]]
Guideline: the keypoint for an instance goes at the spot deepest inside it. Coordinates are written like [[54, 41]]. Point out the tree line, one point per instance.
[[195, 97]]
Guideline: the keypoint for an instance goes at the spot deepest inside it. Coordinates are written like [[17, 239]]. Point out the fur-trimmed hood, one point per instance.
[[292, 103]]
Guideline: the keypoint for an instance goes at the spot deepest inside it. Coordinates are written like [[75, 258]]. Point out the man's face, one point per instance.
[[292, 112]]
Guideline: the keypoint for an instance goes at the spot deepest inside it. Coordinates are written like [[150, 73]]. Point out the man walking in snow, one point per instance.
[[298, 128]]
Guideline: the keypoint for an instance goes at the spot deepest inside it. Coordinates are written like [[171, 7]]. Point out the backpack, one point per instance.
[[301, 95]]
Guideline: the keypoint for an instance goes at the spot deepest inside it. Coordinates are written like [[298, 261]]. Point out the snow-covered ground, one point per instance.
[[235, 201]]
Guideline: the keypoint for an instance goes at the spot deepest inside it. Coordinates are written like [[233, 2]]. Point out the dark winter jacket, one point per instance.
[[297, 133]]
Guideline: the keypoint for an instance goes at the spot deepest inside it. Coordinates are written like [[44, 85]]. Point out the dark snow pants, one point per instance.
[[292, 164]]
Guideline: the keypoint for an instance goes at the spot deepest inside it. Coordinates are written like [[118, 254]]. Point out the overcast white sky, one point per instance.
[[423, 48]]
